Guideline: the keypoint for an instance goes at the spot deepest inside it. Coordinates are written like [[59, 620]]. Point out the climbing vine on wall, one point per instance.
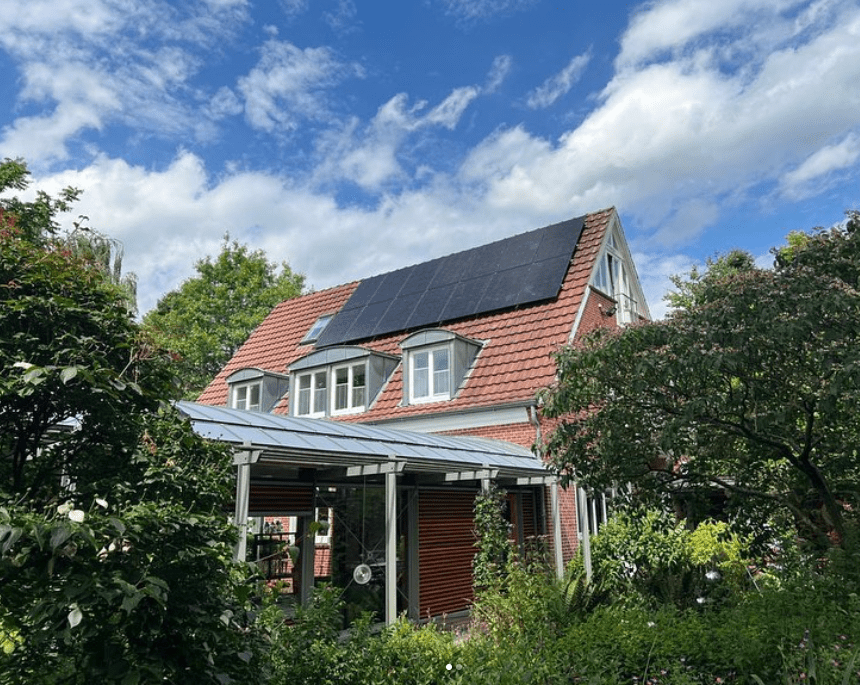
[[491, 537]]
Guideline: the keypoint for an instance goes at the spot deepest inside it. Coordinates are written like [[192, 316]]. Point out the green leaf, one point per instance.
[[59, 535]]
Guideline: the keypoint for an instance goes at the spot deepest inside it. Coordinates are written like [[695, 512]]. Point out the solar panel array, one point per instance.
[[519, 270]]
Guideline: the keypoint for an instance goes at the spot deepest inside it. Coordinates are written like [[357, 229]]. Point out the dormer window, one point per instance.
[[247, 396], [338, 380], [312, 394], [350, 388], [254, 389], [316, 330], [430, 375], [436, 364]]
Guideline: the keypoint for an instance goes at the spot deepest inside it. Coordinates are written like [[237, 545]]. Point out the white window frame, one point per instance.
[[242, 395], [317, 394], [351, 406], [434, 374], [613, 279], [323, 537]]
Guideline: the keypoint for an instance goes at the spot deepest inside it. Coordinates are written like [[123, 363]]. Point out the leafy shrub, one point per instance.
[[646, 557]]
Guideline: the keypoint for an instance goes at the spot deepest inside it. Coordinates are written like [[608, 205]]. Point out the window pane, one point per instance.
[[304, 395], [420, 374], [441, 375], [341, 388], [612, 264], [358, 385], [254, 402], [241, 397], [317, 329], [319, 392]]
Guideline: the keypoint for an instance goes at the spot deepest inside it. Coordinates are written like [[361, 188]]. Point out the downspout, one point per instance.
[[535, 421]]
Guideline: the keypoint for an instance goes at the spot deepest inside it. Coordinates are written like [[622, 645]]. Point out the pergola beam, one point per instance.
[[394, 466], [480, 474], [536, 480]]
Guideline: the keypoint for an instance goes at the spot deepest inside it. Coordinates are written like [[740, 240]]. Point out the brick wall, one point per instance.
[[517, 433], [594, 316]]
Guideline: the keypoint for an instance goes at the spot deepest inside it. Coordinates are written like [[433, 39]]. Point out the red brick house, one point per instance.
[[458, 347]]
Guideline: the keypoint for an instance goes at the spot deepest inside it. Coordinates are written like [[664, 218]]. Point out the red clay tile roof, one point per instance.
[[275, 343], [512, 366]]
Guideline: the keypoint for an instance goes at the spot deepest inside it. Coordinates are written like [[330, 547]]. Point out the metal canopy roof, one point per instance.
[[320, 443]]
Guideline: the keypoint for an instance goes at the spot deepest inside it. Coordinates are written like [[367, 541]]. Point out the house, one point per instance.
[[382, 407]]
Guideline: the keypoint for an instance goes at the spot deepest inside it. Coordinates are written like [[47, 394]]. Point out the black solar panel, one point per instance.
[[524, 268]]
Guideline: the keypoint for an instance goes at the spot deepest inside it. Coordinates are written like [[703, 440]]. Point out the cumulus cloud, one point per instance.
[[668, 132], [293, 8], [666, 26], [707, 103], [559, 84]]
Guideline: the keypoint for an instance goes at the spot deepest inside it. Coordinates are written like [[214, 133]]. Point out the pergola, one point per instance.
[[270, 446]]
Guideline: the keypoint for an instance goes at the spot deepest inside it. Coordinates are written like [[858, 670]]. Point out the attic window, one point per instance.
[[338, 380], [436, 363], [247, 396], [316, 330], [612, 278], [255, 389], [430, 374]]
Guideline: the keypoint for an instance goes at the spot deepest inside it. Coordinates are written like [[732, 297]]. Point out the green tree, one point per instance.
[[690, 289], [36, 220], [115, 552], [754, 389], [104, 253], [209, 316]]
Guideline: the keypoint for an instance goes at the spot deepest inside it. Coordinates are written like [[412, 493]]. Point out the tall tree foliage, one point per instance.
[[115, 553], [751, 387], [209, 316]]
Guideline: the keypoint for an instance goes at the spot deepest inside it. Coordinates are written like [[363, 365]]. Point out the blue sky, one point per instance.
[[352, 137]]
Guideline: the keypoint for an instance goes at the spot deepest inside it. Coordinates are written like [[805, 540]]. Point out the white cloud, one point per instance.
[[343, 19], [560, 84], [224, 104], [806, 180], [90, 64], [293, 8], [49, 17], [687, 222], [474, 10], [289, 84], [668, 25], [448, 112], [683, 128], [368, 155], [666, 134], [498, 73]]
